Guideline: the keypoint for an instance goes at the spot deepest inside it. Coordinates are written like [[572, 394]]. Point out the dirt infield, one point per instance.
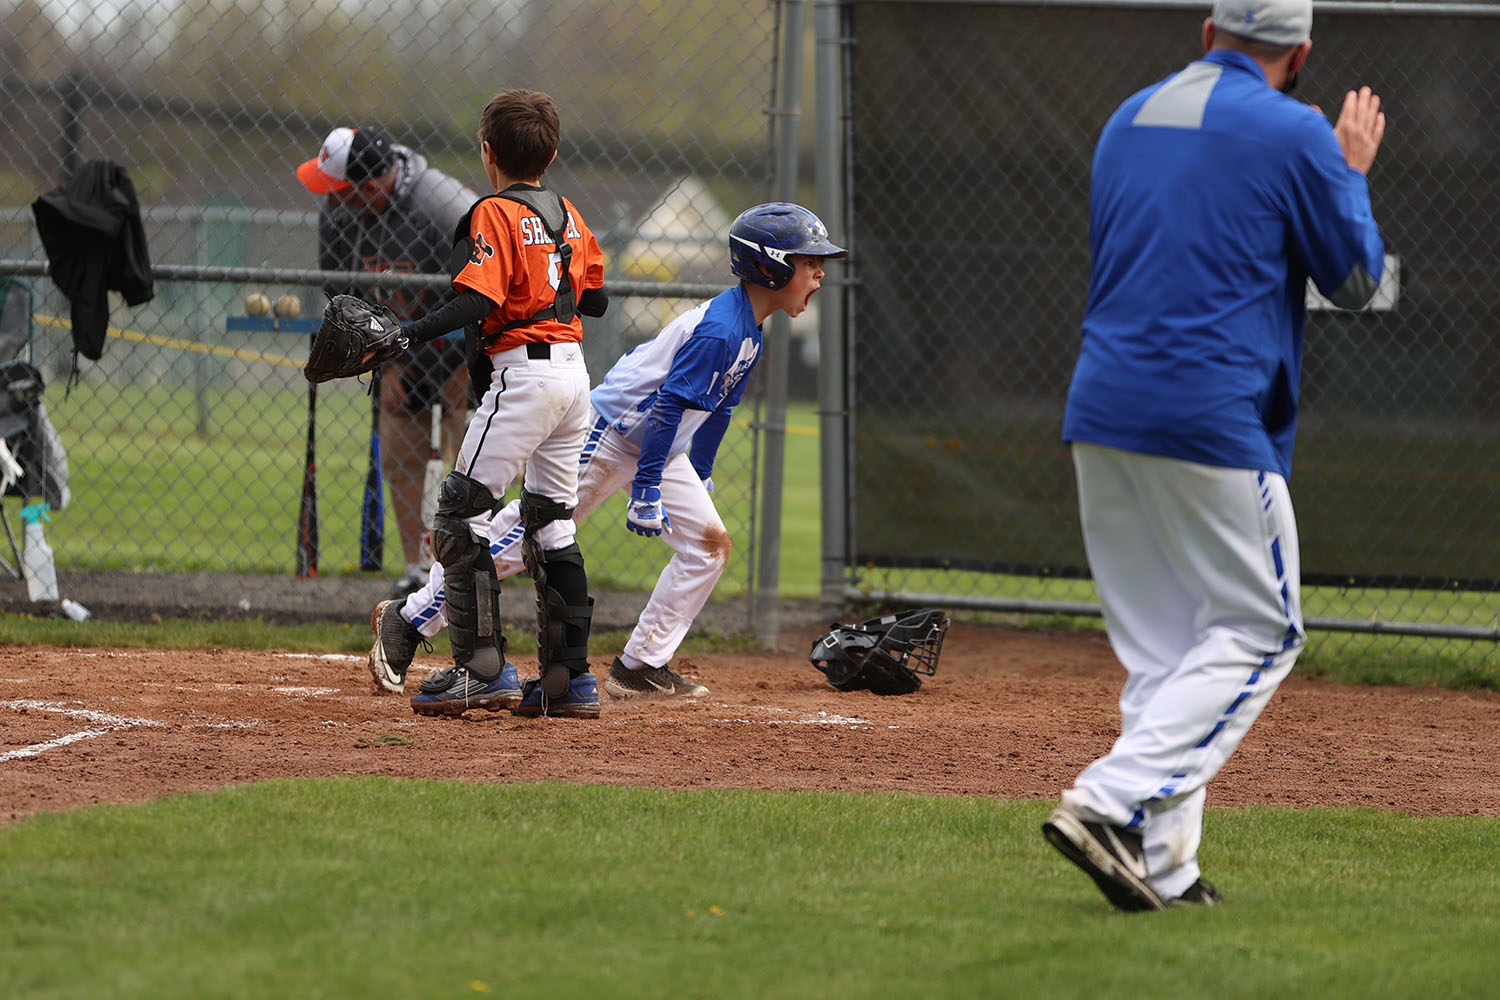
[[1009, 714]]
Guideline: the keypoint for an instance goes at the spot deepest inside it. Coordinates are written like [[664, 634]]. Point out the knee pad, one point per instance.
[[460, 499]]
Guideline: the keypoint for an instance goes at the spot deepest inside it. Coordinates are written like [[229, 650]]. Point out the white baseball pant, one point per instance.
[[1198, 576], [534, 416], [698, 537]]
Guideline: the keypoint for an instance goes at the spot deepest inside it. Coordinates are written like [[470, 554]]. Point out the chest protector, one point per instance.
[[549, 208]]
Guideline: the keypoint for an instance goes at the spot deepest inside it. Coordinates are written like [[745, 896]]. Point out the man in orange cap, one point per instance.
[[385, 209]]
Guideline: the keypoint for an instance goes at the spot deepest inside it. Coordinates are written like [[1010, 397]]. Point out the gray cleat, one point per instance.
[[454, 690]]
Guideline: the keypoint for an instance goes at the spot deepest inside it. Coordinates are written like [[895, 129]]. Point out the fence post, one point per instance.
[[833, 396], [788, 112], [615, 243]]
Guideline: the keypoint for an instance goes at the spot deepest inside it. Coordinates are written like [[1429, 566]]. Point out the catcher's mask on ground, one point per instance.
[[884, 655]]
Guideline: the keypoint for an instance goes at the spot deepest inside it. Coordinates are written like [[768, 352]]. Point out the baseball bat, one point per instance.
[[432, 479], [307, 515], [372, 510]]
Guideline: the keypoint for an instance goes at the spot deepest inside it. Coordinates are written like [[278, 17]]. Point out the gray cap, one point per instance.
[[1277, 22]]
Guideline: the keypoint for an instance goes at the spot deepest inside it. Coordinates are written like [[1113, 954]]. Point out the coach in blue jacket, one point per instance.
[[1215, 197]]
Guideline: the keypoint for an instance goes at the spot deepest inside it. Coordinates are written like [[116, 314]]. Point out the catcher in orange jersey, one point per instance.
[[524, 267]]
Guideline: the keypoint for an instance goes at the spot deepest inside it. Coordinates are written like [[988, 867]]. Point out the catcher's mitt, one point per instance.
[[355, 337], [885, 655]]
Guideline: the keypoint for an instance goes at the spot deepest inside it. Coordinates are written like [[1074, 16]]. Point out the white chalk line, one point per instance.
[[820, 718], [115, 723], [58, 708], [106, 724], [61, 741], [341, 657]]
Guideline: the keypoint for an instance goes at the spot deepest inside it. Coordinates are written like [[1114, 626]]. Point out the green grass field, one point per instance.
[[387, 888], [405, 888]]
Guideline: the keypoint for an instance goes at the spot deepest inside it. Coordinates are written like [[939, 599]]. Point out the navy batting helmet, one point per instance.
[[762, 238]]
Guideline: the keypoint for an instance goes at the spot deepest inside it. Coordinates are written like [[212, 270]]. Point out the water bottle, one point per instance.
[[36, 556]]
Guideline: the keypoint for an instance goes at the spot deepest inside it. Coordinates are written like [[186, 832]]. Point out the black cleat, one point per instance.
[[1200, 893], [396, 642], [1110, 855]]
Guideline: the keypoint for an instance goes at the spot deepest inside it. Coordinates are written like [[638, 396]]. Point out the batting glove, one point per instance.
[[708, 483], [645, 515]]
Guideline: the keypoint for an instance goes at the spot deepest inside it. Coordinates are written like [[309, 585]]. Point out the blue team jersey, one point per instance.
[[701, 359], [1214, 198]]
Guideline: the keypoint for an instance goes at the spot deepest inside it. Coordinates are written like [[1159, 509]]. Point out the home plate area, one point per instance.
[[1007, 714]]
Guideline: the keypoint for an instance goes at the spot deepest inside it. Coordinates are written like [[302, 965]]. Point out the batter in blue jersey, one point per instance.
[[659, 418], [683, 383], [1214, 198]]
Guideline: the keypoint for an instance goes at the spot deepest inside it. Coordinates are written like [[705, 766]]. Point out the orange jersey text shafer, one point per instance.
[[515, 263]]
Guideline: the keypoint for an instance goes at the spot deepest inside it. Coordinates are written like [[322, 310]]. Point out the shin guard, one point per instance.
[[564, 608], [470, 587]]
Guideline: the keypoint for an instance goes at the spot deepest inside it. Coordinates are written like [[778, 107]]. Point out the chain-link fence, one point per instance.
[[972, 126], [951, 147], [185, 440]]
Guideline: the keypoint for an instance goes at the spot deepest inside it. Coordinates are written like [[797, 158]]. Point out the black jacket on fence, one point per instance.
[[95, 241]]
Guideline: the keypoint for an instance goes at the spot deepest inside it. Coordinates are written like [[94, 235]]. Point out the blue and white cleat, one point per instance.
[[580, 701], [454, 690]]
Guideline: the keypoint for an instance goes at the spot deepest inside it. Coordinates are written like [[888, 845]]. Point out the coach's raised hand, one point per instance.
[[1360, 128]]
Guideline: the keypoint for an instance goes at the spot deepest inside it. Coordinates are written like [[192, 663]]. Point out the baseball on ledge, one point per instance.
[[288, 306], [257, 304]]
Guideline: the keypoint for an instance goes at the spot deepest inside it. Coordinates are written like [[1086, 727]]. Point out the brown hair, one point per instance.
[[522, 130]]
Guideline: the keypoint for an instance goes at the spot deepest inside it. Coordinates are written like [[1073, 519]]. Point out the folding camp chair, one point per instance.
[[20, 390]]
